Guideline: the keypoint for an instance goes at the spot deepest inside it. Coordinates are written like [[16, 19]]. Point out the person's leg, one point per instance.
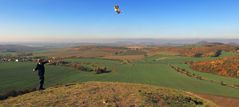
[[41, 82]]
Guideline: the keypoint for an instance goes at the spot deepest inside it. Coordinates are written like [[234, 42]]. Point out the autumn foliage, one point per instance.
[[228, 66], [206, 50]]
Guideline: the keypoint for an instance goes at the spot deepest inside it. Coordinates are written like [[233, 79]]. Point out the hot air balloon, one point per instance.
[[117, 9]]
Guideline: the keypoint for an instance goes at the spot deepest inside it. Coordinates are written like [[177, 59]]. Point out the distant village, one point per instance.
[[23, 57], [15, 59]]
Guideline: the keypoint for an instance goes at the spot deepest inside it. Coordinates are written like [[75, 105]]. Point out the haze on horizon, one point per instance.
[[52, 20]]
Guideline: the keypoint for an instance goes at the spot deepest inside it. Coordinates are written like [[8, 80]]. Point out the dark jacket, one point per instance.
[[40, 68]]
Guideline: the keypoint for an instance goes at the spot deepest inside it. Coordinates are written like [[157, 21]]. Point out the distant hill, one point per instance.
[[18, 48], [209, 43], [103, 94], [125, 42]]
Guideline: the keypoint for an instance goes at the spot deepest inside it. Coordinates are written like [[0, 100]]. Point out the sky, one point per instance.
[[59, 20]]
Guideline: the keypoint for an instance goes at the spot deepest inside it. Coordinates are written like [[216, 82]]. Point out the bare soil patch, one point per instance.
[[221, 100]]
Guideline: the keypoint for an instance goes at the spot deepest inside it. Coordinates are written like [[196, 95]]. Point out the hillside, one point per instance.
[[227, 66], [107, 94], [202, 50]]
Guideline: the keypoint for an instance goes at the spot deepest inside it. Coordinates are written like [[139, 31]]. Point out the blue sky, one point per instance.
[[76, 19]]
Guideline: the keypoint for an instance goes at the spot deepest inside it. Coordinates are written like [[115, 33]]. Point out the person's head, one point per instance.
[[40, 60]]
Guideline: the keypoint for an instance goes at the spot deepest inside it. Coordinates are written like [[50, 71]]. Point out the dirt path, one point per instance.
[[221, 101]]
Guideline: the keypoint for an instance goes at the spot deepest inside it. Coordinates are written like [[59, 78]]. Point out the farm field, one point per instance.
[[154, 70]]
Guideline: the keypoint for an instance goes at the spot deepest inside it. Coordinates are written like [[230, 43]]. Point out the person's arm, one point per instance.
[[36, 68], [48, 61]]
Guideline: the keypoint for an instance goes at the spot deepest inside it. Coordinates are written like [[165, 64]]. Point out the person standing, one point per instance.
[[41, 71]]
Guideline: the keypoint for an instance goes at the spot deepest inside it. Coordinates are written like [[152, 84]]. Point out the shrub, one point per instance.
[[198, 55], [223, 84], [102, 70], [14, 93]]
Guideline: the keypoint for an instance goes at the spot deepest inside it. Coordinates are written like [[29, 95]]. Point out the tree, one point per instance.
[[217, 53], [198, 55]]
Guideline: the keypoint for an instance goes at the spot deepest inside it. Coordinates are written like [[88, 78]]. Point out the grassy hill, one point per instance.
[[108, 94], [153, 70], [19, 76]]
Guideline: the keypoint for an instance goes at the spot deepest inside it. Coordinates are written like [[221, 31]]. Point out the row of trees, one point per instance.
[[185, 72], [190, 74], [87, 67], [90, 68]]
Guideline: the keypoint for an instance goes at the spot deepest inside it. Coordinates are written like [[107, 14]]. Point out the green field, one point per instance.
[[7, 53], [153, 70]]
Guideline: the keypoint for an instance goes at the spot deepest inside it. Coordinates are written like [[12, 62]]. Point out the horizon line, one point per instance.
[[104, 40]]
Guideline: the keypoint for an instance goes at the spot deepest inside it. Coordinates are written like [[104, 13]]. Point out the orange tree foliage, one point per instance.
[[209, 50], [228, 66]]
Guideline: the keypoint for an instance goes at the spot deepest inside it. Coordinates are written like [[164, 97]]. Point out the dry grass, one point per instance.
[[103, 94], [221, 101]]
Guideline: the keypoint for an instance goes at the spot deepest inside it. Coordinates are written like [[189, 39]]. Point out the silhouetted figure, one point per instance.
[[41, 71]]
